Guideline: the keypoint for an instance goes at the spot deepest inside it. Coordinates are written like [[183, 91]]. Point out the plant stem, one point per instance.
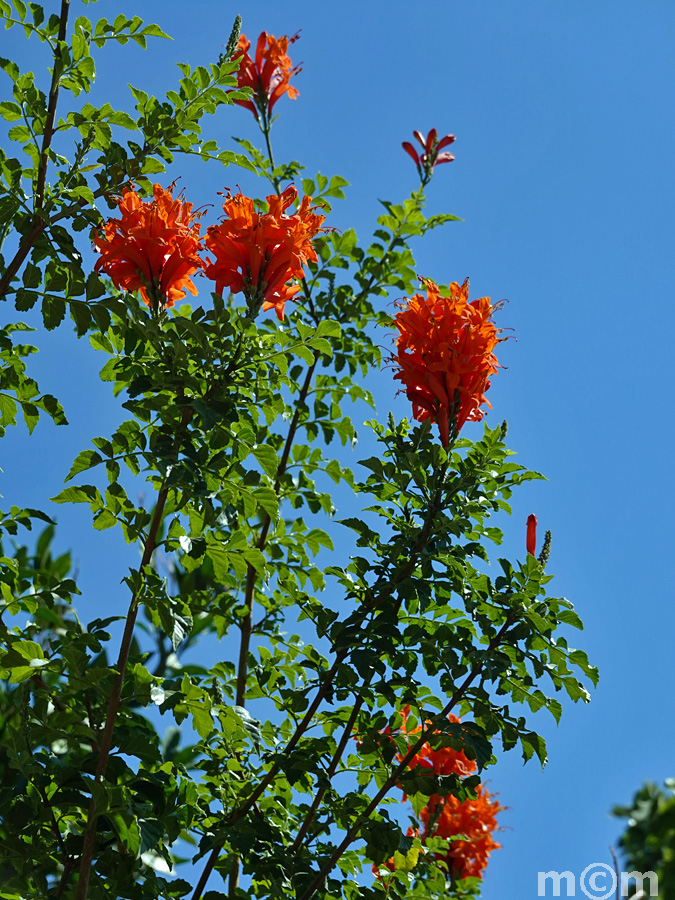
[[65, 877], [246, 627], [332, 769], [48, 133], [265, 128], [388, 588], [39, 224], [89, 841], [234, 880], [398, 771]]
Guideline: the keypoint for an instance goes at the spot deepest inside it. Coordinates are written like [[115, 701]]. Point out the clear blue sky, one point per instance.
[[564, 176]]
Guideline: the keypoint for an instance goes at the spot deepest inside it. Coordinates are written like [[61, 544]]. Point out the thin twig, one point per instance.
[[246, 626], [65, 878], [89, 839], [39, 224], [332, 769], [393, 778], [376, 597]]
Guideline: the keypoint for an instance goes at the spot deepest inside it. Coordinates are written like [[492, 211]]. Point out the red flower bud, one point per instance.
[[430, 156], [531, 534]]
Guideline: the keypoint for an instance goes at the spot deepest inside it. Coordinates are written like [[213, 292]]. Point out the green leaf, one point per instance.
[[53, 311], [534, 743], [10, 111], [83, 461], [7, 411], [304, 353], [317, 538], [175, 619], [22, 660], [268, 500], [85, 493], [256, 559], [155, 31], [202, 721], [104, 519], [267, 458], [124, 120], [328, 328], [25, 300]]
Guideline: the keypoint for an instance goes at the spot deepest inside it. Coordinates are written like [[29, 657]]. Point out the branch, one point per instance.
[[246, 627], [39, 224], [48, 133], [388, 588], [89, 840], [403, 765], [332, 769]]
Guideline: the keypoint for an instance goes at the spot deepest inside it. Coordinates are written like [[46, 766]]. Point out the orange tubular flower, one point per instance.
[[447, 816], [152, 247], [444, 761], [268, 74], [475, 819], [258, 253], [444, 355]]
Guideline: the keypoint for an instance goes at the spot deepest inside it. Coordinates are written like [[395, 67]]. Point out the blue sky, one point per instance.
[[563, 175]]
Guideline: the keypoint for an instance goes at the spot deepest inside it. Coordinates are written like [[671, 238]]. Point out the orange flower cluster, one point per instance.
[[152, 247], [258, 253], [268, 74], [475, 819], [447, 816], [444, 354], [444, 761]]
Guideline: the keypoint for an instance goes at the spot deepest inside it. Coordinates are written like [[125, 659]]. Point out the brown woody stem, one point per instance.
[[246, 628], [38, 225], [332, 769], [324, 687], [89, 842], [398, 771]]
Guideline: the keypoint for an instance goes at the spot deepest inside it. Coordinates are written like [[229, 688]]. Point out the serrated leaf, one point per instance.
[[176, 621], [267, 458], [304, 353], [268, 500], [256, 559], [7, 411], [10, 111], [53, 312], [328, 328], [104, 519], [155, 31], [85, 493], [83, 461]]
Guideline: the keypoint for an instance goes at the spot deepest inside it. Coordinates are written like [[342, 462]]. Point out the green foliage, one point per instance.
[[648, 843], [17, 390], [124, 753]]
